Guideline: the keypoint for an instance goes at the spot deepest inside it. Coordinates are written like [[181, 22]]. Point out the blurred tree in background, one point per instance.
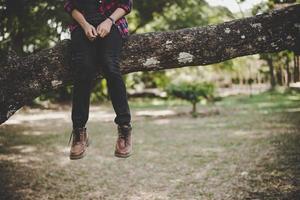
[[283, 66], [192, 92], [29, 26]]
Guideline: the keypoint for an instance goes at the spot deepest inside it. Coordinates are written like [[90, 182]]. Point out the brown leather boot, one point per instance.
[[80, 143], [123, 146]]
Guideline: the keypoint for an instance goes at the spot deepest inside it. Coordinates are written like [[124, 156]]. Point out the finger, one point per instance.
[[94, 32], [98, 30], [90, 38], [88, 34], [91, 35], [100, 33], [103, 32]]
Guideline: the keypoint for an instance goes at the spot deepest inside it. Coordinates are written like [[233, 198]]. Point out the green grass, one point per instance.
[[250, 150]]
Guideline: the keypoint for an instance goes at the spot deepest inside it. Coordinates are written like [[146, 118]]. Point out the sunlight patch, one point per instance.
[[293, 110], [31, 132], [240, 132], [155, 113], [24, 148], [19, 158], [162, 121]]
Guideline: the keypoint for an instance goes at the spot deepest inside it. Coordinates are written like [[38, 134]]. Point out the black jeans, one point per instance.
[[86, 57]]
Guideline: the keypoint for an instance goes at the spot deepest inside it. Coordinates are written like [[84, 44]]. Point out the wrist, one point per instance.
[[84, 24], [111, 19]]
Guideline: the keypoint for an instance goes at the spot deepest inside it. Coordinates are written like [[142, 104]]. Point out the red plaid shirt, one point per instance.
[[106, 8]]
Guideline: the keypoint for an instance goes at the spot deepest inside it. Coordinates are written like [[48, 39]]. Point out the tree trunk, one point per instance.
[[194, 110], [296, 68], [23, 79], [279, 76], [15, 16], [271, 72], [288, 71]]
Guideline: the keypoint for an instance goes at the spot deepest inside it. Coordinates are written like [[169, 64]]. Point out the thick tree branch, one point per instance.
[[24, 79]]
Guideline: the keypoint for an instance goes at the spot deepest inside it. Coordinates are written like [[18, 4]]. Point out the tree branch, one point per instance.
[[24, 79]]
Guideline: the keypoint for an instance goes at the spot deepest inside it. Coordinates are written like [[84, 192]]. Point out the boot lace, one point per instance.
[[123, 132], [76, 135]]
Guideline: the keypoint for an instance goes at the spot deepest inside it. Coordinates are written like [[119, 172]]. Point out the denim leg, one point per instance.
[[109, 49], [83, 55]]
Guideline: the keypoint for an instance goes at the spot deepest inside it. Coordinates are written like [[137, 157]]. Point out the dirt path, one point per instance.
[[250, 150]]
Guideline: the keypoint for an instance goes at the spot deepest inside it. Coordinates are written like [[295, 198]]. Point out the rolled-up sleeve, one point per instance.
[[126, 5], [69, 6]]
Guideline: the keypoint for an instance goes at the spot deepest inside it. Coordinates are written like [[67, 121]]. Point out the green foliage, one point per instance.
[[192, 92], [28, 26], [149, 79], [185, 13], [268, 5], [99, 92], [172, 15]]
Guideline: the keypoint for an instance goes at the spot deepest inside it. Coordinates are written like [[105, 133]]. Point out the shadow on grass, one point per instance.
[[15, 181], [26, 172], [19, 161], [278, 177]]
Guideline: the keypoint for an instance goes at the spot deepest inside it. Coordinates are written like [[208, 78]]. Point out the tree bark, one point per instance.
[[271, 72], [279, 76], [23, 79], [15, 14], [296, 68], [288, 72]]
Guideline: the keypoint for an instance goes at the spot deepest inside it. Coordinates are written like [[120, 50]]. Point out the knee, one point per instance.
[[111, 66]]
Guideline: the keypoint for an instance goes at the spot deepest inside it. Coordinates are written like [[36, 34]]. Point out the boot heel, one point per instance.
[[88, 142]]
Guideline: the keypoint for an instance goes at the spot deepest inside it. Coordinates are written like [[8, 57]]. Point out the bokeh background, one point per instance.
[[223, 131]]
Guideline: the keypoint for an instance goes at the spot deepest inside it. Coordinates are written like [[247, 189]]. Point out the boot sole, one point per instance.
[[78, 157], [122, 155], [82, 154]]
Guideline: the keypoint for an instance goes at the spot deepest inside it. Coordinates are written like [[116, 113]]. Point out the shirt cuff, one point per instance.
[[127, 7], [69, 7]]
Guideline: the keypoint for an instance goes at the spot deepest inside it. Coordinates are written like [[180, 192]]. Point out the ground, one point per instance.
[[238, 148]]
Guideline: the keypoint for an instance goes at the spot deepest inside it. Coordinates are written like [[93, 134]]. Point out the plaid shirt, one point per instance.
[[106, 8]]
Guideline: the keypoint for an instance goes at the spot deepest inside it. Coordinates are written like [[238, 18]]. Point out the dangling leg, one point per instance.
[[110, 47], [83, 56]]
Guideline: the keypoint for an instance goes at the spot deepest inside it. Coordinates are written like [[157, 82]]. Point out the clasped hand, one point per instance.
[[102, 29]]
